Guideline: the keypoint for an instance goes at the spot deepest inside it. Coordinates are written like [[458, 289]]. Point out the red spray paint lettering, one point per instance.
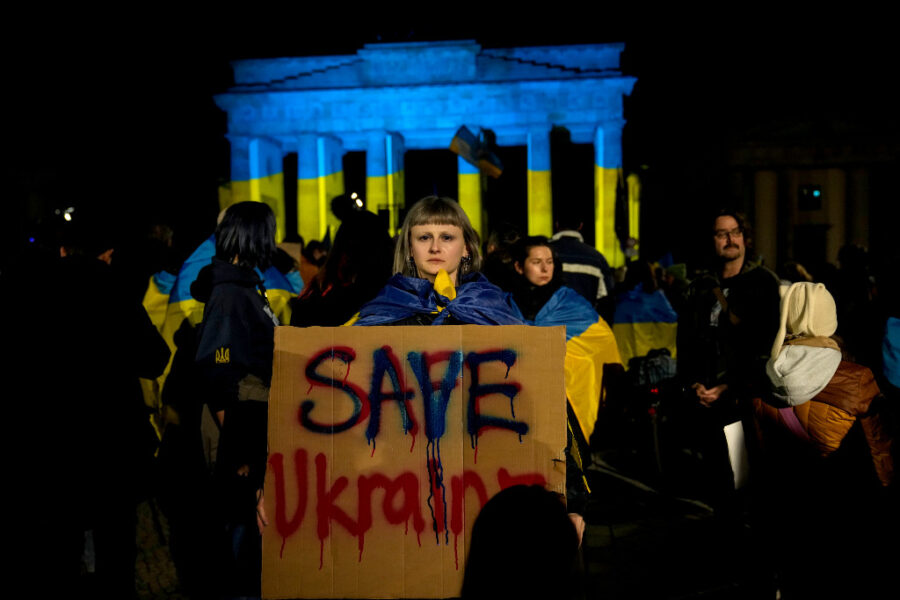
[[400, 505]]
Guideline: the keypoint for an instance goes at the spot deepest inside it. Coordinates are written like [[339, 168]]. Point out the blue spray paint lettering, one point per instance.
[[385, 363], [357, 396], [436, 402], [476, 421]]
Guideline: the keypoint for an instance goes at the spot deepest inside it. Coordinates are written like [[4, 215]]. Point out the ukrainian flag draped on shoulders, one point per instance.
[[156, 298], [180, 306], [590, 344], [644, 322], [476, 302]]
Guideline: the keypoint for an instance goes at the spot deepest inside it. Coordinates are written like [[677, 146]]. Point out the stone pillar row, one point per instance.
[[384, 175], [257, 174]]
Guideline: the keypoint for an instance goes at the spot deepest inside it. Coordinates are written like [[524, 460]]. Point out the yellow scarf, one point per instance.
[[443, 285]]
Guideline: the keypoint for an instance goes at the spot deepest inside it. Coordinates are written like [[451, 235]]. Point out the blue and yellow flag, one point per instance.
[[644, 322], [476, 302], [590, 344], [156, 298], [181, 306]]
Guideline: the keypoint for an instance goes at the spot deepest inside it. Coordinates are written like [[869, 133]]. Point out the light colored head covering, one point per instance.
[[799, 372], [808, 310]]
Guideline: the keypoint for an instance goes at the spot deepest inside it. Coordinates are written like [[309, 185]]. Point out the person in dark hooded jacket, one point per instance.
[[234, 356]]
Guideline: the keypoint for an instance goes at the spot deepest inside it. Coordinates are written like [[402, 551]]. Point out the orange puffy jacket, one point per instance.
[[828, 417]]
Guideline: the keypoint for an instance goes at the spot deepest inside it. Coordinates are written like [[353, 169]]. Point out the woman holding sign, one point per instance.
[[437, 282], [437, 279]]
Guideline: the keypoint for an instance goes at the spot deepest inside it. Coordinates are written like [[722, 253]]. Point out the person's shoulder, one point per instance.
[[477, 295], [403, 282], [855, 372], [703, 281], [761, 277], [758, 271], [565, 294], [232, 300], [400, 297], [478, 281], [566, 298], [854, 382], [573, 244]]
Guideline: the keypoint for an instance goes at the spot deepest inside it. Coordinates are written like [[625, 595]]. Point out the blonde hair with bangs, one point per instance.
[[434, 210]]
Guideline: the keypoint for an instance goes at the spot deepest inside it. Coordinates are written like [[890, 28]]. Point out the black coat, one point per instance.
[[721, 349], [234, 356]]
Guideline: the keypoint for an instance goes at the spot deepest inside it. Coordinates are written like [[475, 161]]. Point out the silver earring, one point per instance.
[[465, 264], [412, 266]]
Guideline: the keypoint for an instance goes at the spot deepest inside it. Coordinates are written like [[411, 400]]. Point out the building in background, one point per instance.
[[389, 99], [815, 186]]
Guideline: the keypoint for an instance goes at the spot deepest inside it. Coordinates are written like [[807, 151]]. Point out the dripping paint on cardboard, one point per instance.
[[385, 442]]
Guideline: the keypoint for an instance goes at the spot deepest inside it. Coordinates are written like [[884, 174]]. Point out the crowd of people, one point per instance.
[[811, 369]]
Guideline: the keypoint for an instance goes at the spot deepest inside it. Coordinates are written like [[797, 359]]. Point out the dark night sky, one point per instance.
[[134, 109]]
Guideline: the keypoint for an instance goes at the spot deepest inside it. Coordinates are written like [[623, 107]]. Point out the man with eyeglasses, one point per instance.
[[725, 333]]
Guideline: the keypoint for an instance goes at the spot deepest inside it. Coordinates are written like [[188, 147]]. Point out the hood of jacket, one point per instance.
[[800, 372], [218, 272]]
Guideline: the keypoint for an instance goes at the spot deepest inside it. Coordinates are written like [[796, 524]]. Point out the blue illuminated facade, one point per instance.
[[390, 98]]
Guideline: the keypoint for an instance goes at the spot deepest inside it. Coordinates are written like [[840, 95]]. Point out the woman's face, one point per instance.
[[538, 267], [436, 247]]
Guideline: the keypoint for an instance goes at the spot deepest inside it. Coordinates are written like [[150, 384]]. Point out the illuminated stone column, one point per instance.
[[607, 164], [257, 175], [469, 180], [384, 175], [765, 218], [540, 201], [320, 178], [633, 186], [331, 179]]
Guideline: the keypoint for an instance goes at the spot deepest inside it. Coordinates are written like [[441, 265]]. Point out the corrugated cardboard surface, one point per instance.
[[320, 542]]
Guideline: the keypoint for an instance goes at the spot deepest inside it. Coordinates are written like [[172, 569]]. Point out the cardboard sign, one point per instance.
[[385, 442]]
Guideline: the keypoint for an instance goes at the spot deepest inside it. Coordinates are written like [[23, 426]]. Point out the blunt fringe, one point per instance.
[[247, 231], [434, 210]]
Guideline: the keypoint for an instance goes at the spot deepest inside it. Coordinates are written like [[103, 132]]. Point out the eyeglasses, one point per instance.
[[737, 232]]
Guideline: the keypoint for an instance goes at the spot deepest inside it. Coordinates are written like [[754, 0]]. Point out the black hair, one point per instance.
[[641, 271], [247, 232], [522, 248], [310, 249], [502, 237], [283, 261], [523, 546], [344, 206], [567, 221], [362, 252]]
